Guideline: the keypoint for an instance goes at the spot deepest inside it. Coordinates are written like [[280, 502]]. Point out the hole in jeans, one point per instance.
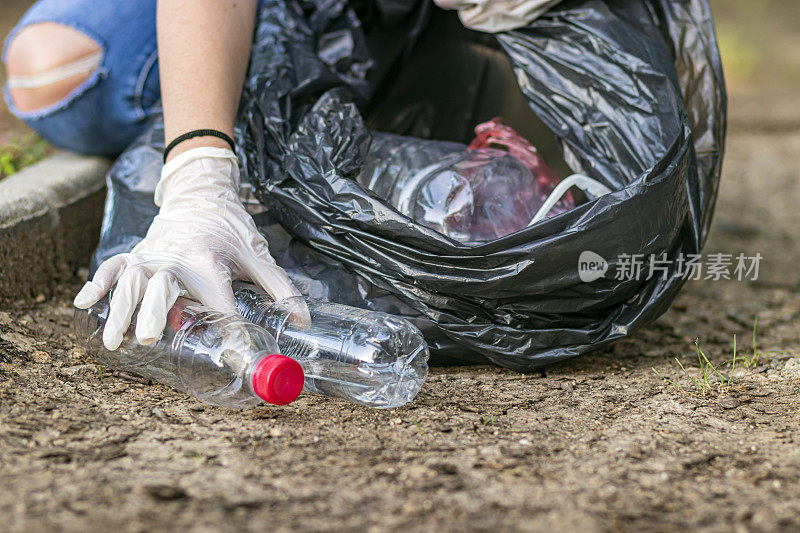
[[46, 62]]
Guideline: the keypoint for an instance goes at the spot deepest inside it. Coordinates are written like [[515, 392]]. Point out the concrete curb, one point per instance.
[[50, 215]]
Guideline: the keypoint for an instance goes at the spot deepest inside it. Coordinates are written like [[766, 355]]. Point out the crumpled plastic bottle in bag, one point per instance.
[[492, 188]]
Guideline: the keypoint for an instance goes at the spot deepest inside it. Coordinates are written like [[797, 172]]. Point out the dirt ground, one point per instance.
[[602, 443]]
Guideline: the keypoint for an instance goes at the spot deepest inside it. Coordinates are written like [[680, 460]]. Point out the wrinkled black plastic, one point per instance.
[[632, 89]]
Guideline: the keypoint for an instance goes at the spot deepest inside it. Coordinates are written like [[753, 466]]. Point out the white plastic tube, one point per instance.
[[588, 185]]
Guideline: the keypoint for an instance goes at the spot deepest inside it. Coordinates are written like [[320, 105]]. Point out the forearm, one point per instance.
[[204, 47], [202, 237]]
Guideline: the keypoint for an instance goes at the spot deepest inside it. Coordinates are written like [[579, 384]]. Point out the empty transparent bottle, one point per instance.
[[217, 358], [367, 357], [469, 193]]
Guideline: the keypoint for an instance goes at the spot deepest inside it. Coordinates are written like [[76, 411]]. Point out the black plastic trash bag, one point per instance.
[[632, 90]]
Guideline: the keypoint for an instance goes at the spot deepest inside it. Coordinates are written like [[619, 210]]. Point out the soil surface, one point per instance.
[[602, 443]]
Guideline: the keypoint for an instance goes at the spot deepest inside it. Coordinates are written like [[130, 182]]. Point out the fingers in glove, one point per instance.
[[299, 315], [273, 279], [269, 276], [130, 289], [163, 289], [212, 290], [105, 278]]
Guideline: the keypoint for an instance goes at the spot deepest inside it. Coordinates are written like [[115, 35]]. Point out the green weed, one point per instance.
[[709, 378], [20, 153], [751, 361]]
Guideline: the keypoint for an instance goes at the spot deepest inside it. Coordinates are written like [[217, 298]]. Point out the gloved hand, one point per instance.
[[201, 240]]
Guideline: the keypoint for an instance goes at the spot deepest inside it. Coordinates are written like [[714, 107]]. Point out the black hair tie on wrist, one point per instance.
[[197, 133]]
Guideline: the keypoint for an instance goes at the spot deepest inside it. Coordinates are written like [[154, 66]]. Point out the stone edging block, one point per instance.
[[50, 215]]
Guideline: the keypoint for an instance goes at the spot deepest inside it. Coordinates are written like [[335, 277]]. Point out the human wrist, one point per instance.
[[207, 137], [196, 142], [199, 171]]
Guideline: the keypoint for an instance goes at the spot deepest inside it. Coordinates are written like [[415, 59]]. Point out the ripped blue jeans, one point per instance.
[[110, 109]]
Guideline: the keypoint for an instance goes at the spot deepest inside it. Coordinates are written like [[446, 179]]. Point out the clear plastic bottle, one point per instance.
[[470, 193], [217, 358], [367, 357]]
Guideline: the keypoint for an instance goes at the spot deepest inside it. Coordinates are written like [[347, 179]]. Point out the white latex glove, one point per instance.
[[201, 240], [497, 15]]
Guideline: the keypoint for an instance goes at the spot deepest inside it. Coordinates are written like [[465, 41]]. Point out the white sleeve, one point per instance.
[[494, 16]]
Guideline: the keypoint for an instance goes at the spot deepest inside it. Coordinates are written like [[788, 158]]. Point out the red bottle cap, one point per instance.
[[278, 379]]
